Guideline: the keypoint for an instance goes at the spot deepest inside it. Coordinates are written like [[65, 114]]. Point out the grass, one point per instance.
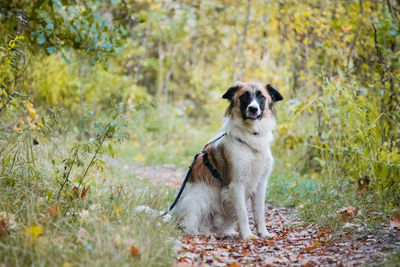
[[317, 201], [392, 260], [166, 138], [98, 229]]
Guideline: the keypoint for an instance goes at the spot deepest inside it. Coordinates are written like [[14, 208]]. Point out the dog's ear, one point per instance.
[[230, 93], [274, 94]]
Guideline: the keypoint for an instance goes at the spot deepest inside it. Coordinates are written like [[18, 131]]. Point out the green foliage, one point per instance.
[[60, 25]]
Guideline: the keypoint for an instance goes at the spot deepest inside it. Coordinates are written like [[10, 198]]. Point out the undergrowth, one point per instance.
[[62, 205], [319, 201]]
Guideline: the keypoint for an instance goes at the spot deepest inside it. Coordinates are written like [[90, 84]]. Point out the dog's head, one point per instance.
[[252, 101]]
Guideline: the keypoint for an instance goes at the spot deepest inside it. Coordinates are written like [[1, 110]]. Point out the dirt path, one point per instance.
[[293, 243]]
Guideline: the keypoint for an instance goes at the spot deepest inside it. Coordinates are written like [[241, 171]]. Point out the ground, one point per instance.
[[294, 242]]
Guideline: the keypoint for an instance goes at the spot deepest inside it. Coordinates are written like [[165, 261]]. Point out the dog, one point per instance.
[[232, 168]]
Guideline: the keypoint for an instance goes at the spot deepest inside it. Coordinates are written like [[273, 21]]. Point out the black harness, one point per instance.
[[208, 164]]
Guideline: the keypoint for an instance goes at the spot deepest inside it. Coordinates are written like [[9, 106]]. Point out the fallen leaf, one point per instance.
[[134, 251], [84, 192], [322, 233], [309, 264], [362, 185], [270, 242], [33, 231], [219, 259], [395, 222], [315, 246], [3, 229], [9, 220], [234, 264], [53, 211], [348, 213]]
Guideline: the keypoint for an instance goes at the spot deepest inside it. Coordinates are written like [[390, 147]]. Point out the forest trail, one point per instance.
[[293, 243]]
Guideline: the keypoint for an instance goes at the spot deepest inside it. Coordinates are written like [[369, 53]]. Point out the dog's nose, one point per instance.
[[253, 109]]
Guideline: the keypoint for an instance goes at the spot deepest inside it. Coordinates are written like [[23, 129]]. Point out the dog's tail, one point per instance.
[[153, 212]]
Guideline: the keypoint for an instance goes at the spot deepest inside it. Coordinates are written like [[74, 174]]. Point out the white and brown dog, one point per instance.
[[233, 167]]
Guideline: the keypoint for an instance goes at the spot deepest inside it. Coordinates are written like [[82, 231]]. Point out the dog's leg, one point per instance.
[[239, 203], [258, 205], [190, 223]]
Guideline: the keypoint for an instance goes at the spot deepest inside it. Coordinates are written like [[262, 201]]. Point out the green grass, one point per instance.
[[392, 260], [97, 230], [317, 201], [166, 138]]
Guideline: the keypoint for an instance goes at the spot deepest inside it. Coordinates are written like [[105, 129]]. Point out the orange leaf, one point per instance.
[[348, 213], [3, 229], [346, 28], [312, 248], [53, 211], [395, 222], [84, 192], [134, 251], [235, 264], [271, 242], [322, 233]]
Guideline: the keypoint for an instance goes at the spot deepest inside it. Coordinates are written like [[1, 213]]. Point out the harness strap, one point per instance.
[[208, 164]]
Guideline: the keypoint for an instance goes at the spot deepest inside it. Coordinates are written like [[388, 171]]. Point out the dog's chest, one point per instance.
[[249, 166]]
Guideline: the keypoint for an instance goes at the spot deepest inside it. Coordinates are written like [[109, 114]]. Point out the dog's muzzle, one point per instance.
[[253, 112]]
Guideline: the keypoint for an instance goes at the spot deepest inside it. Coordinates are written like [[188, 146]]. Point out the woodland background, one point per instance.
[[142, 81]]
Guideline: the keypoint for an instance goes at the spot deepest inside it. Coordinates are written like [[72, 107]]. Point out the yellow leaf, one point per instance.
[[117, 240], [33, 231], [140, 157], [117, 210]]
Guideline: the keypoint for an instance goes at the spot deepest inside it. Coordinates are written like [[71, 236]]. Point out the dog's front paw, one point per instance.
[[265, 234], [248, 236]]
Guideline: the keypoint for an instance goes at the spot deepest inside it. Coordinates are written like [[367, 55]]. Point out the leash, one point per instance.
[[183, 184]]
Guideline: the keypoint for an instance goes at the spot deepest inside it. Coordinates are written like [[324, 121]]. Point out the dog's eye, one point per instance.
[[259, 94], [245, 95]]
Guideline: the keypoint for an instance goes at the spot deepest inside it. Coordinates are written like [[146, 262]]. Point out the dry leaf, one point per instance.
[[3, 229], [134, 251], [348, 213], [53, 211], [84, 192], [315, 246], [234, 264], [322, 233], [395, 222], [362, 185]]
